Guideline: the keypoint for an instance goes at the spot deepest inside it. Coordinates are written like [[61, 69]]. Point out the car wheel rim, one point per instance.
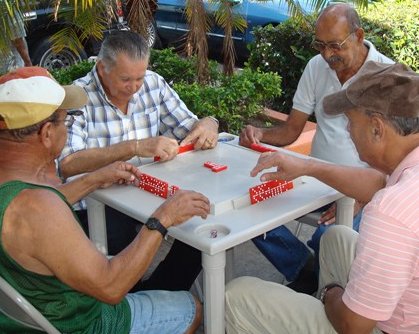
[[151, 34], [54, 61]]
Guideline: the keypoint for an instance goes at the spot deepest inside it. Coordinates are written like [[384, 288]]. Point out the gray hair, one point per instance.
[[128, 42], [345, 10], [404, 126]]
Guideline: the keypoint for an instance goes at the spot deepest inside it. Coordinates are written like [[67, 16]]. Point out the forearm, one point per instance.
[[79, 188], [277, 136], [91, 159], [358, 183], [343, 320], [22, 48], [129, 266]]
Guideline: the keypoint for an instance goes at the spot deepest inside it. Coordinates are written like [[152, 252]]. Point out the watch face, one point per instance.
[[152, 223]]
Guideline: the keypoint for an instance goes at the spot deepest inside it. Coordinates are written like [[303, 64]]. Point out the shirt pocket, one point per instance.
[[147, 122]]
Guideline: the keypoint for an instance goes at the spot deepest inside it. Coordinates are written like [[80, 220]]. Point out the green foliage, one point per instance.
[[66, 75], [174, 68], [284, 49], [234, 99], [393, 27]]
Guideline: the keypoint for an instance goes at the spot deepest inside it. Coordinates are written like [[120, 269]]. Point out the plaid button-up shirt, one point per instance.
[[154, 110]]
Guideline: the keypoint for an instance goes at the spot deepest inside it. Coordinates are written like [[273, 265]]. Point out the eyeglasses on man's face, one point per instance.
[[69, 118], [333, 46]]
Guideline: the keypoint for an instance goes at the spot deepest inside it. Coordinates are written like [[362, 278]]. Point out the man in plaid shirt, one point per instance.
[[132, 113]]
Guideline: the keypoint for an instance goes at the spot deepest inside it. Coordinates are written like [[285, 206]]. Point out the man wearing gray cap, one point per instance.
[[370, 280]]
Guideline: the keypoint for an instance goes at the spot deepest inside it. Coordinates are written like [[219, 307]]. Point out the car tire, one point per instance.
[[153, 38], [45, 57]]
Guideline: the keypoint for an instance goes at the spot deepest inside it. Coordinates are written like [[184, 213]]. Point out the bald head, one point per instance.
[[339, 13]]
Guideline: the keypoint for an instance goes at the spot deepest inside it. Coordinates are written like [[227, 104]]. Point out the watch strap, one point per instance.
[[153, 223]]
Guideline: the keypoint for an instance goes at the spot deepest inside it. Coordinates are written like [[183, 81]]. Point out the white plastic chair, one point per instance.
[[16, 307]]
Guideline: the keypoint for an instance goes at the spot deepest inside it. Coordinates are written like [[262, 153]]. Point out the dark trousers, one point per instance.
[[176, 272]]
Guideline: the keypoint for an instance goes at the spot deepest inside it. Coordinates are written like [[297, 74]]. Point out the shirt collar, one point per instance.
[[411, 160]]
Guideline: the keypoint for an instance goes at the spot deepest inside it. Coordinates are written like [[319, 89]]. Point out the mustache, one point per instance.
[[333, 59]]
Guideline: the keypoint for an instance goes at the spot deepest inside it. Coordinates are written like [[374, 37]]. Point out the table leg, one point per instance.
[[214, 288], [345, 211], [97, 224]]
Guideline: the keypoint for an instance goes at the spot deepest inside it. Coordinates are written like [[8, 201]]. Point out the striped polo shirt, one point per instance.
[[384, 278]]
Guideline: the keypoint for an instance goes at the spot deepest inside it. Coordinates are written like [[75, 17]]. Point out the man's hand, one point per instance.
[[288, 167], [118, 172], [163, 147], [250, 135], [204, 135], [329, 216], [180, 207]]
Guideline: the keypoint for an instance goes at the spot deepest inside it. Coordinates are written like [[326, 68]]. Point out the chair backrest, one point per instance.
[[16, 307]]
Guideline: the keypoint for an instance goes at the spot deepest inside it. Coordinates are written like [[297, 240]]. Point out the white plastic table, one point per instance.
[[234, 219]]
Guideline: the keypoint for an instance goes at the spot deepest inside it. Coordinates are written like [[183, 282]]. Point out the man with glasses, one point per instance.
[[343, 51], [44, 253]]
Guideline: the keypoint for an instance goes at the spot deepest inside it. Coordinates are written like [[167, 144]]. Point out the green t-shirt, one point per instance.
[[68, 310]]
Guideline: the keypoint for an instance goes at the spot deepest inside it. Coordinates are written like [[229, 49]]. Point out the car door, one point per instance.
[[170, 19]]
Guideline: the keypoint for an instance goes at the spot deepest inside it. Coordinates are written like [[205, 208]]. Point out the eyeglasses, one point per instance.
[[333, 46], [69, 118]]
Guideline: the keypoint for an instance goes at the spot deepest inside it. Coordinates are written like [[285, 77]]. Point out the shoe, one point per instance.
[[307, 280]]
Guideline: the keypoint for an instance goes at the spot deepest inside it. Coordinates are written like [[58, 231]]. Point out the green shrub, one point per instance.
[[393, 27], [233, 100], [174, 68], [66, 75], [165, 62], [284, 49]]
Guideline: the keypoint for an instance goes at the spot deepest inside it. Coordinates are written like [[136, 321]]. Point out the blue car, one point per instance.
[[171, 23]]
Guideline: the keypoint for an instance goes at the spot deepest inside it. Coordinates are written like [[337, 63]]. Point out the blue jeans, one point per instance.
[[159, 312], [287, 253]]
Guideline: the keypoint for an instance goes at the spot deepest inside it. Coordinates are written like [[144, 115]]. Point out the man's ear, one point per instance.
[[46, 134], [359, 33], [377, 128]]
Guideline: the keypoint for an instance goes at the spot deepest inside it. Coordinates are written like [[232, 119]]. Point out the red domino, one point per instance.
[[261, 148], [210, 164], [182, 149], [215, 167], [153, 185], [268, 189], [218, 168], [186, 148], [172, 190]]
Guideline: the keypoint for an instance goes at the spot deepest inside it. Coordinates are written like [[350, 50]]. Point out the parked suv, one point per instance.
[[40, 26]]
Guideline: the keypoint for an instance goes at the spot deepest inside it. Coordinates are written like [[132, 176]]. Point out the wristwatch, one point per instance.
[[327, 288], [153, 223]]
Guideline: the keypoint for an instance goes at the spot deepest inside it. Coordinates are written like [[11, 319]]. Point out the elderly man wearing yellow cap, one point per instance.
[[44, 253], [369, 282]]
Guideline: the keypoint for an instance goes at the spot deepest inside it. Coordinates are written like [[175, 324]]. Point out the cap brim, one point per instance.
[[337, 103], [75, 97]]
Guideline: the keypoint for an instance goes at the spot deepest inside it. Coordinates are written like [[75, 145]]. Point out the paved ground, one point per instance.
[[248, 261]]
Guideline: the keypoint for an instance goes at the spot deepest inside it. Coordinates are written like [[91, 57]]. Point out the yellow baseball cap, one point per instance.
[[29, 95]]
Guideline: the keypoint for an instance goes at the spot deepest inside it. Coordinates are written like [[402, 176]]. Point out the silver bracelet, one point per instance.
[[214, 119]]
